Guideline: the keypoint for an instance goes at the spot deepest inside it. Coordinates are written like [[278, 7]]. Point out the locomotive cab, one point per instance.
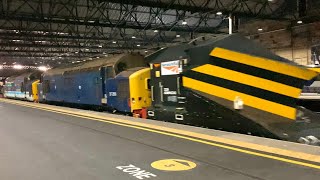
[[128, 91]]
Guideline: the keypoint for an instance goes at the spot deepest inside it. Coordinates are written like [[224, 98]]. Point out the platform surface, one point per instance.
[[41, 144]]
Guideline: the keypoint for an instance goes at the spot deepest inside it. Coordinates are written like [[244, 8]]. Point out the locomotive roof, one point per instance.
[[199, 52], [24, 75], [179, 51], [93, 64], [234, 42], [129, 72]]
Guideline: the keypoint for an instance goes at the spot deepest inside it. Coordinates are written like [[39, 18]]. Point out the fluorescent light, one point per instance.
[[184, 22], [138, 45], [17, 66], [178, 35], [114, 42], [43, 68], [155, 31], [76, 52], [219, 13], [100, 46], [40, 41], [145, 51], [133, 37], [299, 22], [260, 29], [87, 49]]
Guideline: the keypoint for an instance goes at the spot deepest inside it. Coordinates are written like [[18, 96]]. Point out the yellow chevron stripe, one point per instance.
[[271, 65], [315, 69], [249, 80], [258, 103]]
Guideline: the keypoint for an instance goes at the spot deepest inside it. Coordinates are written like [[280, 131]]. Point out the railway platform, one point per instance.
[[40, 141]]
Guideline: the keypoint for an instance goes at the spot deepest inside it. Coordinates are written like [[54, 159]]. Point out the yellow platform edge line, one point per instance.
[[181, 134], [263, 63]]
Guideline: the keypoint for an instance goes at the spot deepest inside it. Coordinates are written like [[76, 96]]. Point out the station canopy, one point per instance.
[[37, 33]]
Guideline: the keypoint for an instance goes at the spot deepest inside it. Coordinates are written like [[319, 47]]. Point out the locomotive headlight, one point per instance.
[[238, 103]]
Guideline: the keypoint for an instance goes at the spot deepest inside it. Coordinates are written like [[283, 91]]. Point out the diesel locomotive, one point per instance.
[[228, 83], [24, 86]]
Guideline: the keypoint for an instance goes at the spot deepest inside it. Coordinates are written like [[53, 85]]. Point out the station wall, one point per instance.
[[292, 43]]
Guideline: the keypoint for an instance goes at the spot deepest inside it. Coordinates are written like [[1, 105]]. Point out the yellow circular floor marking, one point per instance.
[[173, 165]]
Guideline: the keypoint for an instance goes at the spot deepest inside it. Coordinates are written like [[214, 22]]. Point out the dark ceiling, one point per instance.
[[53, 32]]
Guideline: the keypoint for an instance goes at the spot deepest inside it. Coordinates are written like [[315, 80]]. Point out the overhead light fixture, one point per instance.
[[114, 42], [138, 45], [40, 41], [87, 49], [100, 46], [43, 68], [35, 63], [16, 40], [78, 61], [76, 52], [219, 13], [260, 29], [184, 22], [156, 31], [133, 37], [17, 66], [299, 22], [270, 0], [145, 51], [98, 57], [178, 35], [60, 57]]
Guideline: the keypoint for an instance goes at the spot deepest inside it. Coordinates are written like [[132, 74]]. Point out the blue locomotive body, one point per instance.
[[99, 83], [77, 88]]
